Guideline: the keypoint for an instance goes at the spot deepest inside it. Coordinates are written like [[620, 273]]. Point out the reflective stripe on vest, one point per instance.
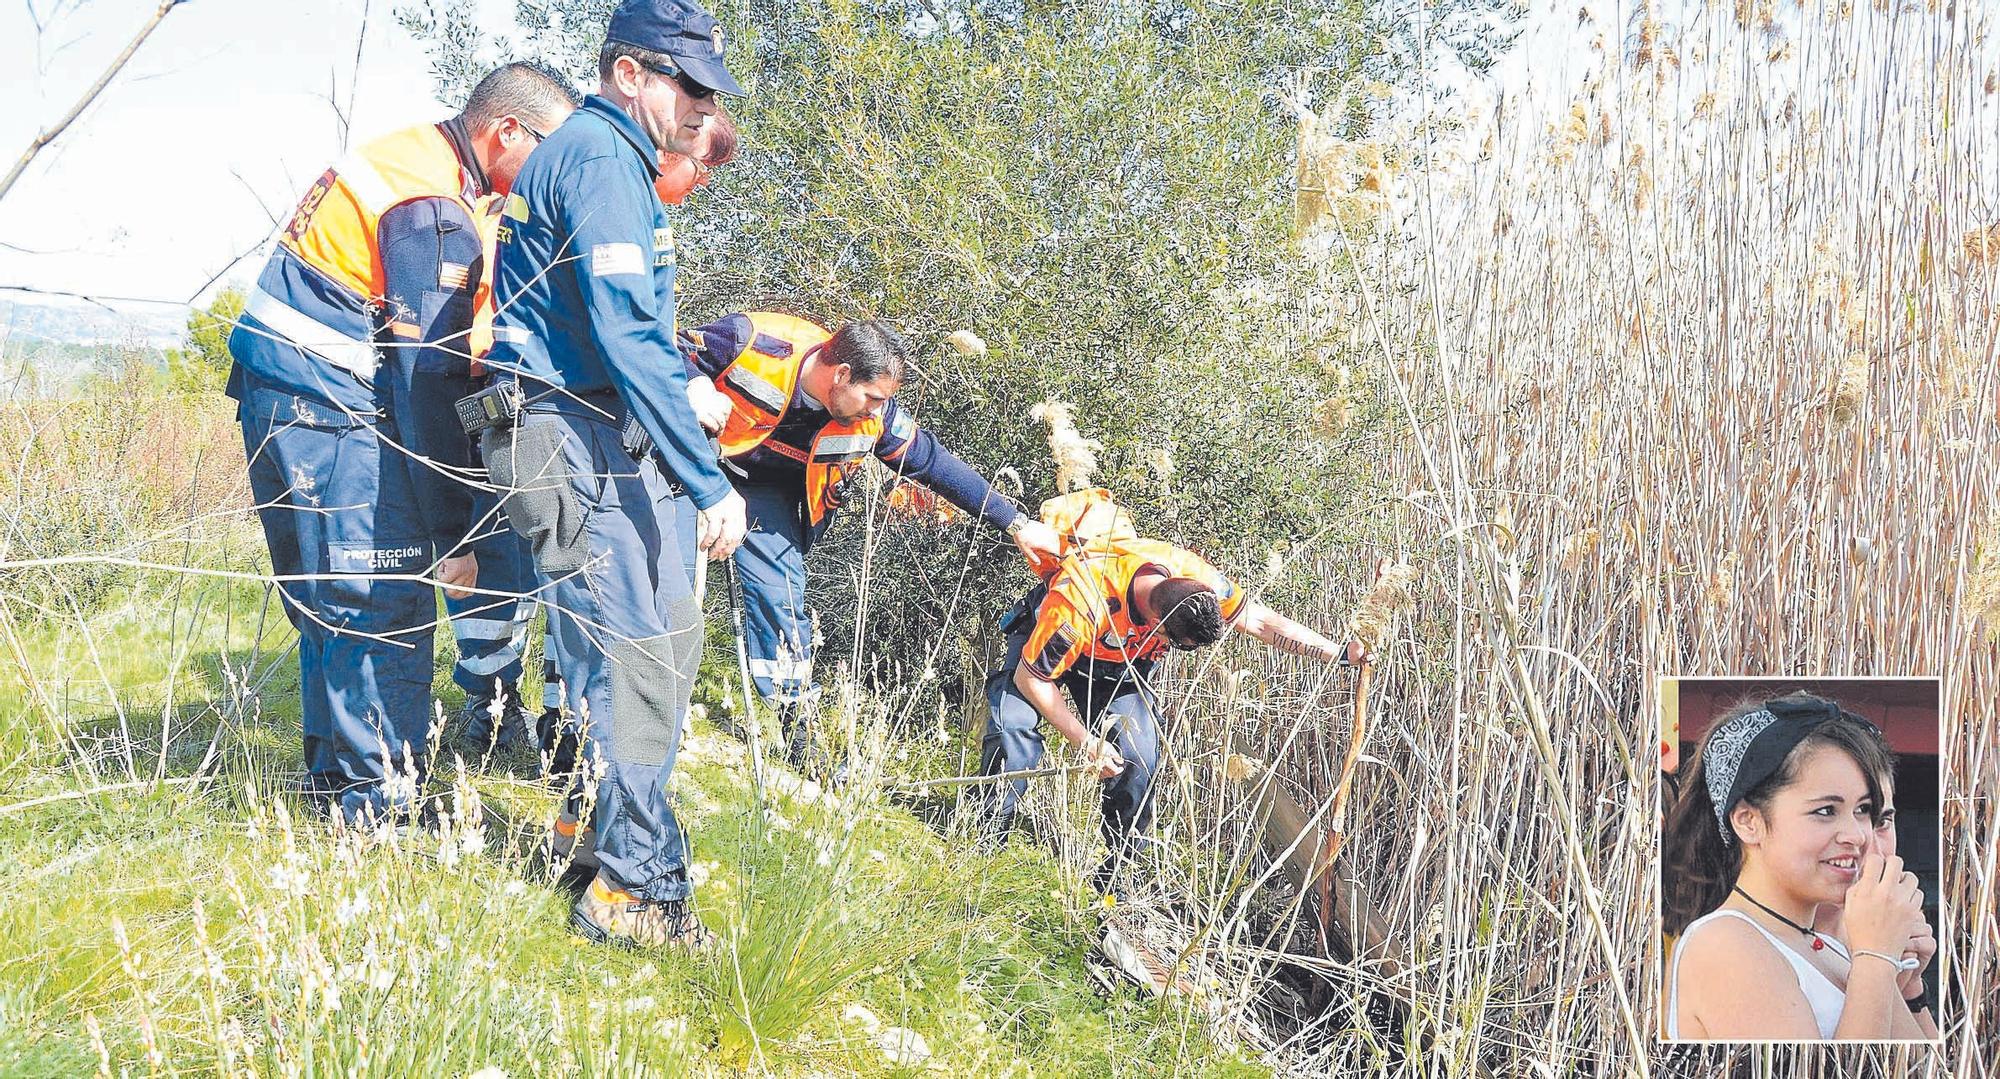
[[335, 232], [359, 174], [314, 336], [844, 447], [757, 387], [759, 384]]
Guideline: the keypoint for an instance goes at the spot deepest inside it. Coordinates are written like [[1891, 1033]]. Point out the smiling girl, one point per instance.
[[1830, 920], [1777, 818]]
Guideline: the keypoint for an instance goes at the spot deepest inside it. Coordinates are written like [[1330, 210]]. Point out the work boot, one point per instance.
[[795, 726], [557, 738], [481, 734], [607, 915], [571, 846], [993, 829]]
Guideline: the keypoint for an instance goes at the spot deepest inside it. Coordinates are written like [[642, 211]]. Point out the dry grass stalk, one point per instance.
[[1075, 456], [1371, 622]]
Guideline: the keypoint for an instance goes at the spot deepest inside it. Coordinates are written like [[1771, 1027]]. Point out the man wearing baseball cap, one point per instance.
[[600, 455]]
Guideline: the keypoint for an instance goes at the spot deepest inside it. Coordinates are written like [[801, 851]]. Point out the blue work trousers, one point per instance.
[[771, 565], [336, 502], [602, 530], [492, 630], [1109, 697]]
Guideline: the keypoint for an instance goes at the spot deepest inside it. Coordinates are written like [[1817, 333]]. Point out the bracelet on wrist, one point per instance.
[[1898, 962], [1915, 1003]]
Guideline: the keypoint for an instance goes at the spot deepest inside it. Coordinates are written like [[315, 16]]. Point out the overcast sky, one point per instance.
[[219, 122]]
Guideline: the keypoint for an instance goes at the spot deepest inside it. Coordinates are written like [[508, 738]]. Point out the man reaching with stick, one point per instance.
[[1097, 625]]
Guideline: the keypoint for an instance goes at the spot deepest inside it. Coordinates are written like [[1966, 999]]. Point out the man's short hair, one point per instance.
[[871, 349], [607, 58], [1190, 612], [533, 93]]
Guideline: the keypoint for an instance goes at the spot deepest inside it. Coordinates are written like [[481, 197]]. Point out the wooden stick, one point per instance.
[[48, 136], [997, 777], [1337, 815]]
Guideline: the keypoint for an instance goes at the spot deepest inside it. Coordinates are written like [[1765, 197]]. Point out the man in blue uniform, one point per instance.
[[492, 629], [345, 361], [795, 410], [604, 457]]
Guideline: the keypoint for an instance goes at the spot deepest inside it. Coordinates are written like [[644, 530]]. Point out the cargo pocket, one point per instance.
[[526, 464]]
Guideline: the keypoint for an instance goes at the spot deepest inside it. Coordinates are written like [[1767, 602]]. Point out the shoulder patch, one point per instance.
[[610, 260], [903, 428], [663, 246]]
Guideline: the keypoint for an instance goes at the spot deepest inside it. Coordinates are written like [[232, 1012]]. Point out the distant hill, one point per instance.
[[79, 322]]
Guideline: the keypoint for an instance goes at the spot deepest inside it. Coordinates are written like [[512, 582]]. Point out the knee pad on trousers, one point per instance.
[[651, 682], [684, 627]]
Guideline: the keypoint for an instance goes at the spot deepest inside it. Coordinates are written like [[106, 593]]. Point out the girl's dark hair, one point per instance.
[[1697, 868]]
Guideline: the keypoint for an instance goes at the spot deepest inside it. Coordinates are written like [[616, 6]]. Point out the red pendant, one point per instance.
[[1819, 945]]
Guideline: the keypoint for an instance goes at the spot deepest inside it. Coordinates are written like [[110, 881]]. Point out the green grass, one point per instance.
[[205, 928]]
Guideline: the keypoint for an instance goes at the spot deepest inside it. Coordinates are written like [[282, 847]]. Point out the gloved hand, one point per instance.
[[1102, 756], [711, 406], [719, 529], [1040, 545]]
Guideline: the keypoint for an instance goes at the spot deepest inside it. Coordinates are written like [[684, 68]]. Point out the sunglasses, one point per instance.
[[524, 126], [691, 88]]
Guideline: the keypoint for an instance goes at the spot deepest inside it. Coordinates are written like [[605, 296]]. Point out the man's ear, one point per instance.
[[627, 76]]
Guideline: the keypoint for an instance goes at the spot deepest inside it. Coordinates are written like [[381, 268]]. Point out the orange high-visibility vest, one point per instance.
[[759, 384], [334, 233], [1088, 609], [486, 218]]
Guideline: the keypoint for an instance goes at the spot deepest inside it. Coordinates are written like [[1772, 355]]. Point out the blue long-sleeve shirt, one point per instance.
[[431, 264], [913, 452], [585, 291]]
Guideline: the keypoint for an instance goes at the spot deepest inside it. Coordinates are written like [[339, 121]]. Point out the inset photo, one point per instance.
[[1799, 856]]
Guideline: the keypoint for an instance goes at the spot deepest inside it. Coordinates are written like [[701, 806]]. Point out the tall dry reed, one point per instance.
[[1698, 377]]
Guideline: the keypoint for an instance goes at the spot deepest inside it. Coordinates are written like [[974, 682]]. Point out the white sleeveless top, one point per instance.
[[1825, 997]]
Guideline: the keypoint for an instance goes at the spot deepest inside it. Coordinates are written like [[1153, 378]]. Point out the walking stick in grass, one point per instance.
[[1389, 593]]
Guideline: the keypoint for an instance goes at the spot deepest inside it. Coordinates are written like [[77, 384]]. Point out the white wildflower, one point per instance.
[[861, 1016], [903, 1047], [966, 343], [354, 906]]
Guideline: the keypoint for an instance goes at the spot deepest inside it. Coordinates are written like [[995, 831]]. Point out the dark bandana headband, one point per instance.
[[1752, 746]]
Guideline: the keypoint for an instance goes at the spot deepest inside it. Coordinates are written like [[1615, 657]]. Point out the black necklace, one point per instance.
[[1818, 942]]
